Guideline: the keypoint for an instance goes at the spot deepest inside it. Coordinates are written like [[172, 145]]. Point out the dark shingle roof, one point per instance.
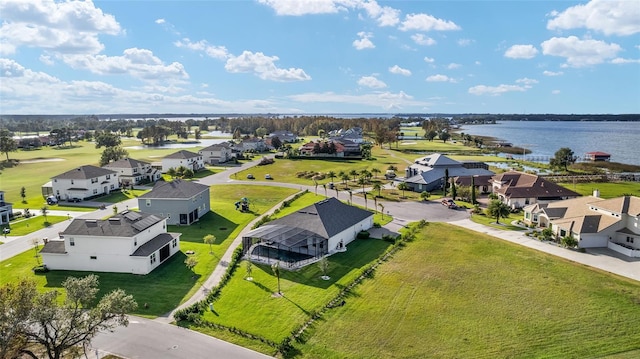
[[523, 185], [56, 247], [156, 243], [126, 163], [84, 172], [326, 218], [120, 225], [182, 154], [175, 189]]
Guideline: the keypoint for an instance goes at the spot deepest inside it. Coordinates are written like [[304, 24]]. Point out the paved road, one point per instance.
[[145, 338]]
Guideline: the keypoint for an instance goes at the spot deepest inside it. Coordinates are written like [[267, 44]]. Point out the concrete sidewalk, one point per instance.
[[600, 258]]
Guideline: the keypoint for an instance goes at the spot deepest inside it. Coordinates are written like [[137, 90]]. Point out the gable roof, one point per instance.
[[182, 154], [125, 224], [177, 189], [126, 163], [326, 218], [524, 185], [216, 147], [437, 160], [625, 204], [84, 172]]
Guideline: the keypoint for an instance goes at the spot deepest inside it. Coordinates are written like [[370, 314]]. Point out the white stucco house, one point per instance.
[[129, 242], [519, 189], [593, 221], [84, 182], [133, 172], [188, 159], [305, 236], [5, 210], [217, 153], [181, 202]]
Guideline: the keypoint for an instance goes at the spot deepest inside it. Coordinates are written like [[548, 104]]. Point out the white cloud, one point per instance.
[[527, 82], [439, 78], [395, 69], [384, 15], [580, 53], [160, 21], [555, 92], [495, 90], [423, 40], [264, 67], [217, 52], [303, 7], [425, 22], [139, 63], [63, 27], [371, 82], [364, 42], [46, 59], [552, 73], [453, 66], [429, 60], [611, 17], [464, 42], [620, 61], [521, 52]]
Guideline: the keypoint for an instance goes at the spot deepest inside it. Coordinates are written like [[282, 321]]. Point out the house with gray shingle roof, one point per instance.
[[428, 173], [307, 235], [133, 172], [593, 221], [188, 159], [217, 153], [181, 202], [518, 189], [84, 182], [128, 242]]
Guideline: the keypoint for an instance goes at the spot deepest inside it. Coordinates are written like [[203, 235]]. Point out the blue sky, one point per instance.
[[319, 56]]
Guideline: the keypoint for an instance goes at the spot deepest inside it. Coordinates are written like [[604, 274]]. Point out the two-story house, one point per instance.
[[188, 159], [182, 202], [129, 242], [253, 144], [217, 153], [84, 182], [5, 210], [133, 172], [519, 189]]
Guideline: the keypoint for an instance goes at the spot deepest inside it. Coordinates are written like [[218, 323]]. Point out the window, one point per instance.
[[95, 191], [71, 181], [94, 180], [153, 258], [174, 242], [112, 186], [72, 242], [135, 170], [563, 233], [108, 176], [135, 241], [93, 257], [148, 203]]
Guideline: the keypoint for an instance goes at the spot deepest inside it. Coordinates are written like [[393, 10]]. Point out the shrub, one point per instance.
[[363, 235]]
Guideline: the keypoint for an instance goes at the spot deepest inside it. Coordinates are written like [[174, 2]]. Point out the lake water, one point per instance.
[[619, 139], [203, 143]]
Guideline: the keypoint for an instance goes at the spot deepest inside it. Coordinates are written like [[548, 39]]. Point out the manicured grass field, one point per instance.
[[23, 226], [119, 196], [251, 306], [505, 223], [171, 283], [455, 293], [607, 190]]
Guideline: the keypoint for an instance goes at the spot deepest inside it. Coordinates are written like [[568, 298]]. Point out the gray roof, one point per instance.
[[432, 174], [156, 243], [56, 247], [84, 172], [182, 154], [175, 189], [216, 147], [125, 224], [283, 235], [325, 218], [126, 163], [437, 159]]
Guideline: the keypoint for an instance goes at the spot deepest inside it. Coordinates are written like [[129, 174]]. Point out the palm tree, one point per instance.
[[365, 199], [276, 271], [350, 197], [446, 181], [44, 211], [403, 186], [424, 195], [341, 175], [345, 177], [498, 209], [375, 172], [362, 181], [377, 187], [209, 239], [354, 174], [331, 175], [172, 172], [375, 203], [381, 209], [324, 185]]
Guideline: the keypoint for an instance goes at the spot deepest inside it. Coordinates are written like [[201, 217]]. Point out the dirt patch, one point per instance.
[[408, 143], [39, 160]]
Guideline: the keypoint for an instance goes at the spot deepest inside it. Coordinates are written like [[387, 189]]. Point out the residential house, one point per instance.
[[518, 189], [597, 156], [181, 202], [284, 136], [133, 172], [187, 159], [428, 173], [217, 153], [5, 210], [129, 242], [253, 144], [307, 235], [480, 182], [354, 134], [322, 149], [84, 182], [595, 222]]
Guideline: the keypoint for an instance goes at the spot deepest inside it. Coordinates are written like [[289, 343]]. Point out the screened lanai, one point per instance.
[[291, 246]]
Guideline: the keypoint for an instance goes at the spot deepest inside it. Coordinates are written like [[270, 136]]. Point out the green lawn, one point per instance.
[[123, 195], [455, 293], [607, 189], [505, 223], [171, 283], [250, 305], [21, 226]]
